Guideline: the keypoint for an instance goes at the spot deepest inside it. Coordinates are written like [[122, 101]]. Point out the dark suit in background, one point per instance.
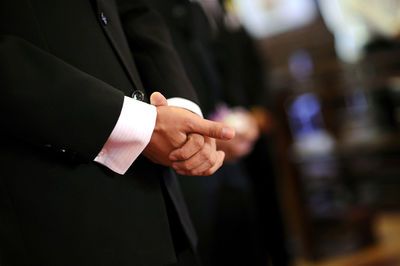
[[244, 75], [65, 67], [236, 211], [223, 205]]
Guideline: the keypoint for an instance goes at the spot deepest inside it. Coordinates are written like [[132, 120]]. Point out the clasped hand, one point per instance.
[[185, 141]]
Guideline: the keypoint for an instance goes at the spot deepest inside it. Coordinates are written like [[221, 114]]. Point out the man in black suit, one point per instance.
[[84, 178]]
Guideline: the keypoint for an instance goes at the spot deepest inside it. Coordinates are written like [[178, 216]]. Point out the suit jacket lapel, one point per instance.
[[109, 19]]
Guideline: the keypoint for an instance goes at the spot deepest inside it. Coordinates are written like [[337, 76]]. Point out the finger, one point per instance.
[[205, 171], [211, 129], [217, 165], [158, 99], [191, 163], [192, 146], [214, 158], [206, 157]]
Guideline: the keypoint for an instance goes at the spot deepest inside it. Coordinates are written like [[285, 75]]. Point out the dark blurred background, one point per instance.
[[332, 69]]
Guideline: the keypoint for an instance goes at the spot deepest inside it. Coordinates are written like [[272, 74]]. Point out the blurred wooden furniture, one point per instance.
[[330, 201]]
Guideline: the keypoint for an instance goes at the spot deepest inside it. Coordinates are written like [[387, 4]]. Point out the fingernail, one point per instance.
[[228, 133]]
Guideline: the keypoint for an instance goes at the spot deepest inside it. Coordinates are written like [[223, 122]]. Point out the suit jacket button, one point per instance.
[[103, 18], [138, 95]]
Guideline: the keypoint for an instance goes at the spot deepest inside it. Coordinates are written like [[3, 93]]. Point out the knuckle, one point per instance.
[[196, 142], [186, 165], [211, 162], [199, 142], [178, 154], [204, 156], [189, 124], [182, 154], [213, 157]]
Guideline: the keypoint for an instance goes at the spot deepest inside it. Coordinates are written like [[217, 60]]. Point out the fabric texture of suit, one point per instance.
[[65, 67]]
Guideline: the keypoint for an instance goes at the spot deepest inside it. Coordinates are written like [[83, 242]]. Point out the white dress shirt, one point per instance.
[[133, 132]]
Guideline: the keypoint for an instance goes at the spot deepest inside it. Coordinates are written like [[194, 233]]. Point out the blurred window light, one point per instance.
[[264, 18], [355, 23], [348, 27], [307, 126], [382, 15], [304, 114]]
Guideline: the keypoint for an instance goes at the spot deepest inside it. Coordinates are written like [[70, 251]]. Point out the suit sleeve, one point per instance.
[[45, 101], [158, 63]]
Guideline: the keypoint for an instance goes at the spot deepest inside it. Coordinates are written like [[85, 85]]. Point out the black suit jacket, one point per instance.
[[65, 67], [193, 36]]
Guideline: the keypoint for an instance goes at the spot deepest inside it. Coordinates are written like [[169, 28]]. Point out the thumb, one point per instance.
[[213, 129], [158, 99]]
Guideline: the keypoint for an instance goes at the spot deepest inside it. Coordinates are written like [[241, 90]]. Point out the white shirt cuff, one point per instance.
[[184, 103], [129, 137]]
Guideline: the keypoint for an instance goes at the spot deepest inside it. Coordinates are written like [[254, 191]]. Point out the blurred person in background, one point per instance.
[[235, 211], [244, 77]]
